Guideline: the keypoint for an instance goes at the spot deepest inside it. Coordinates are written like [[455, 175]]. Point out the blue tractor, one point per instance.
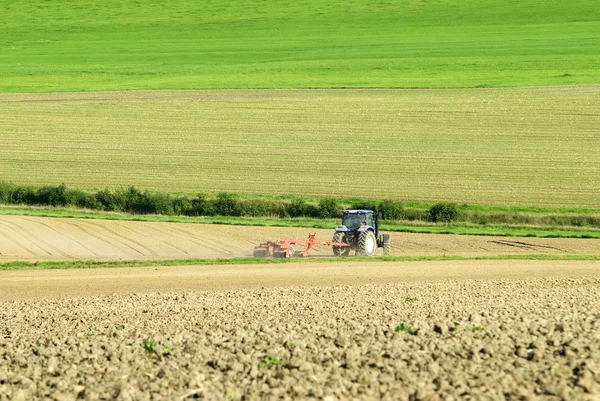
[[360, 230]]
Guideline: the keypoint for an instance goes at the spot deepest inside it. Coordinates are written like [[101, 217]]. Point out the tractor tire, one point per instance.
[[387, 245], [340, 250], [367, 244], [259, 253]]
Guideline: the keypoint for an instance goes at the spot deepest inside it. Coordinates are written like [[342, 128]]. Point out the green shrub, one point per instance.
[[416, 214], [297, 208], [443, 212], [391, 210], [181, 205], [312, 211], [78, 198], [52, 196], [329, 208], [364, 205], [262, 207], [6, 192], [24, 195], [300, 208], [111, 201], [201, 206], [148, 203], [227, 205]]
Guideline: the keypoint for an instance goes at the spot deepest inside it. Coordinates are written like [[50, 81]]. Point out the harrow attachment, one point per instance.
[[284, 248]]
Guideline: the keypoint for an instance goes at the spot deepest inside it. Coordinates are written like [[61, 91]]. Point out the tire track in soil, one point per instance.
[[35, 237], [113, 242], [9, 239], [124, 238], [71, 238], [203, 242], [143, 235], [520, 244], [164, 242], [107, 239], [192, 238], [20, 245]]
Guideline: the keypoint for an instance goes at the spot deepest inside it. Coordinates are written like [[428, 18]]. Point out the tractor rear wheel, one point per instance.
[[340, 250], [387, 245], [367, 244]]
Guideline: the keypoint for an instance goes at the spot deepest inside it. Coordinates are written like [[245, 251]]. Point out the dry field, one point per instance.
[[515, 330], [533, 336], [495, 146], [46, 238]]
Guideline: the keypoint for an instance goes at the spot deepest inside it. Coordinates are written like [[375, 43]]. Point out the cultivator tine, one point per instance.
[[284, 247]]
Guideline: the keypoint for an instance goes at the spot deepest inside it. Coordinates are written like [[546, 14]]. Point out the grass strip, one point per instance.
[[90, 264], [456, 228]]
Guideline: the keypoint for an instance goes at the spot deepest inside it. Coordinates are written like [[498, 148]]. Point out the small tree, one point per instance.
[[201, 206], [52, 196], [391, 210], [443, 212], [227, 205], [329, 208]]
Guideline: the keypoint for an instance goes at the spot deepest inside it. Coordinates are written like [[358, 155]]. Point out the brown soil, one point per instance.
[[44, 284], [487, 339], [44, 238], [485, 330]]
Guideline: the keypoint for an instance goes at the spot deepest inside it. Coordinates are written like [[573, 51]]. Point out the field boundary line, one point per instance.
[[91, 264]]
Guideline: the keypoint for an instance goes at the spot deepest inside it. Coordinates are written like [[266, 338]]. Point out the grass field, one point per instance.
[[520, 146], [83, 45]]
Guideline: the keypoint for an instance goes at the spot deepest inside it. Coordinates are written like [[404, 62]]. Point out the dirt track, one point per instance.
[[88, 282], [45, 238]]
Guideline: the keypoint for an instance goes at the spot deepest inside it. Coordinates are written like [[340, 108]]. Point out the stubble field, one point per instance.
[[492, 146]]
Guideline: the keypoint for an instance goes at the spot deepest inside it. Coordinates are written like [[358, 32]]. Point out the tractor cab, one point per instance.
[[354, 219]]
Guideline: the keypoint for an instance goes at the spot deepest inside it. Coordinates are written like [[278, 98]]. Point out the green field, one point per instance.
[[519, 146], [91, 45]]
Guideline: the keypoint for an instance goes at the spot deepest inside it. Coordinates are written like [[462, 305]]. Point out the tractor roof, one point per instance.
[[357, 211]]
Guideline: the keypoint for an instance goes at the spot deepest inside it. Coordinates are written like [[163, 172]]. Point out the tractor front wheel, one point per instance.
[[340, 250], [367, 244]]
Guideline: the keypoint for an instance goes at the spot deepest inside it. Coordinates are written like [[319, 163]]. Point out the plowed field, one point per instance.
[[44, 238], [521, 331], [486, 330]]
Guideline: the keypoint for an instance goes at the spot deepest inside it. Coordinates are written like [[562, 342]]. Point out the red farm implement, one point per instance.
[[284, 248]]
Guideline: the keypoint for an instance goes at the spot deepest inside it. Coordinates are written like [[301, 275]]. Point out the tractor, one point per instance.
[[360, 230]]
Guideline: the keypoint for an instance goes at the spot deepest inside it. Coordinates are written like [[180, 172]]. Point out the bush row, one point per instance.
[[133, 200]]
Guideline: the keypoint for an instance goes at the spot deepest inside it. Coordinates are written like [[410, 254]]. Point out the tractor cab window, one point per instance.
[[355, 220]]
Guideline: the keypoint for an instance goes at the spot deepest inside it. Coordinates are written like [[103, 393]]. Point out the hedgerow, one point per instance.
[[136, 201]]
